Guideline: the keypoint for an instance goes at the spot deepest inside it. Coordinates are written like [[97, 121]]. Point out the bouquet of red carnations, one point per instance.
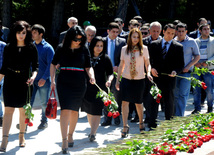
[[109, 101]]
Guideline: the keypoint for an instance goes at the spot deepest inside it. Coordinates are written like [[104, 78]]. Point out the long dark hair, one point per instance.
[[19, 26], [71, 34], [93, 44]]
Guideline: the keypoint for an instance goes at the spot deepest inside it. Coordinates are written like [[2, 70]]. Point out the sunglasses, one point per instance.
[[77, 39], [144, 33]]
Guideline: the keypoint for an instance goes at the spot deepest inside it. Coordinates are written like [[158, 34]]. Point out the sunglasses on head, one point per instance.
[[77, 39], [144, 33]]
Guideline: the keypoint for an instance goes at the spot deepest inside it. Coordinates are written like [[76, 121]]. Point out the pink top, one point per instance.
[[139, 63]]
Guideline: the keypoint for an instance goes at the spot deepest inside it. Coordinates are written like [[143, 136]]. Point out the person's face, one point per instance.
[[36, 36], [120, 26], [145, 33], [72, 23], [20, 36], [113, 33], [98, 48], [169, 34], [133, 26], [135, 38], [155, 32], [181, 33], [90, 35], [205, 32], [76, 42]]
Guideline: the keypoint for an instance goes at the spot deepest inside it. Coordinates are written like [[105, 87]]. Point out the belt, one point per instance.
[[72, 68], [15, 71]]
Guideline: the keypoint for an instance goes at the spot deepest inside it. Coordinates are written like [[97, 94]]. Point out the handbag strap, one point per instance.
[[53, 93]]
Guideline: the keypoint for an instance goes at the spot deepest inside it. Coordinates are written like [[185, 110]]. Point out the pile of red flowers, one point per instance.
[[164, 149]]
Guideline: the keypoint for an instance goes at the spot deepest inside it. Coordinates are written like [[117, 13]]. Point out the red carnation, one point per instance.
[[204, 87], [30, 124], [212, 72], [203, 83], [158, 100], [114, 115], [109, 102], [109, 114], [191, 150], [159, 96], [106, 103], [26, 121]]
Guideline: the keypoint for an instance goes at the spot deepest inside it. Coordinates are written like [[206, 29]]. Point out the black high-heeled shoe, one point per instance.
[[142, 129], [64, 150], [71, 144], [21, 144], [125, 134], [4, 149], [92, 138]]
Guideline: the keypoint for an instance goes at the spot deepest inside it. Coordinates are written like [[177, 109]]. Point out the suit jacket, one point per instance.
[[5, 33], [62, 36], [147, 41], [174, 61], [120, 42]]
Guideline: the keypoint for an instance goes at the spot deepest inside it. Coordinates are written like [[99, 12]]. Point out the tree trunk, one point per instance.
[[81, 11], [122, 9], [6, 13], [57, 19]]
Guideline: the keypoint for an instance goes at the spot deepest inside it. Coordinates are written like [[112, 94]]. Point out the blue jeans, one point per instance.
[[1, 110], [208, 79], [181, 93], [43, 95]]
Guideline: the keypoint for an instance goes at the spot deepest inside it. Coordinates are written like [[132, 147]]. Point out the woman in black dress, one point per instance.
[[74, 59], [19, 56], [103, 71]]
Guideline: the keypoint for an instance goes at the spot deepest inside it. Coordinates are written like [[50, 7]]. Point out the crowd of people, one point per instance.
[[140, 56]]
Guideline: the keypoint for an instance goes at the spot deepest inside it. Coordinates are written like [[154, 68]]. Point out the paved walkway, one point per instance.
[[48, 141]]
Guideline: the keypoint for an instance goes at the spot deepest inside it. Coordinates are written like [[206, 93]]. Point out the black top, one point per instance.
[[19, 59], [79, 58]]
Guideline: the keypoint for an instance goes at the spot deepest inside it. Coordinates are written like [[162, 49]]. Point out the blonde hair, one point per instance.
[[139, 44]]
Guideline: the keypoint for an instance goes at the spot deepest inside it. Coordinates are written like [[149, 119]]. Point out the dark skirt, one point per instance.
[[15, 90], [132, 90], [71, 88]]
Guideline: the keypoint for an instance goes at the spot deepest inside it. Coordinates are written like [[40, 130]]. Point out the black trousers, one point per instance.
[[168, 100]]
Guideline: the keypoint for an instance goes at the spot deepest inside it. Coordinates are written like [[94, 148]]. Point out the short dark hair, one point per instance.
[[181, 25], [71, 35], [116, 20], [203, 25], [169, 25], [113, 25], [19, 26], [39, 28], [133, 22], [175, 22]]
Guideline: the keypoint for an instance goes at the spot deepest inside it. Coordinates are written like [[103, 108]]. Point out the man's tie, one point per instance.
[[164, 50], [112, 52]]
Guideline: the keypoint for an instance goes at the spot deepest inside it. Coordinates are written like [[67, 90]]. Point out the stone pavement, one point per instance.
[[48, 141]]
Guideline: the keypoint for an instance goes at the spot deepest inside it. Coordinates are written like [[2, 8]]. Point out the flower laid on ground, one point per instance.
[[29, 115], [109, 101], [187, 138], [155, 92]]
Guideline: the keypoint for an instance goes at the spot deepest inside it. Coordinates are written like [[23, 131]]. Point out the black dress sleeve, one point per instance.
[[87, 58], [4, 59], [57, 55], [108, 66], [35, 63]]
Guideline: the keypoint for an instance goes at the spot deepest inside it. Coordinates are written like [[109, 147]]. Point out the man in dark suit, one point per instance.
[[72, 21], [166, 56], [196, 34], [112, 46]]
